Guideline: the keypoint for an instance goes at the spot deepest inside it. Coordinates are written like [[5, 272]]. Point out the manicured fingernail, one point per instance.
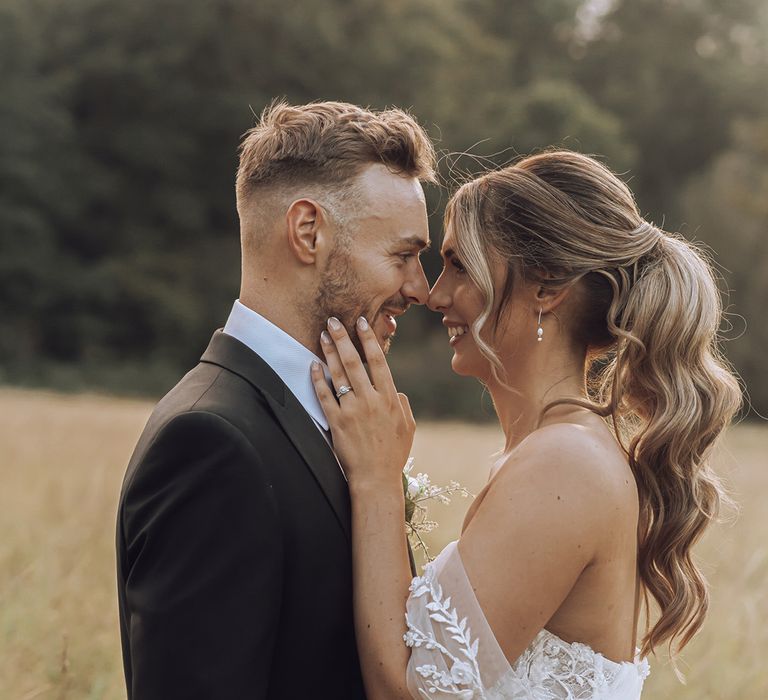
[[334, 324], [324, 337], [315, 365], [362, 324]]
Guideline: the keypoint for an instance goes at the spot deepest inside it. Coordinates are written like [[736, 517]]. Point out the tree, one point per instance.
[[727, 207]]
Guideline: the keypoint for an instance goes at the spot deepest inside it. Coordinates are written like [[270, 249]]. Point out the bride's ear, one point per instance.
[[548, 299]]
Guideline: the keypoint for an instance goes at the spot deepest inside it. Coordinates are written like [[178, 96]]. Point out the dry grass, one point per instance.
[[61, 463]]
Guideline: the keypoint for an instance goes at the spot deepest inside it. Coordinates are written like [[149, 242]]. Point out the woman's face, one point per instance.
[[460, 301]]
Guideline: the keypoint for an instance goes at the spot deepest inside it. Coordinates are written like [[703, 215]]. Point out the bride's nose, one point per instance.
[[439, 298]]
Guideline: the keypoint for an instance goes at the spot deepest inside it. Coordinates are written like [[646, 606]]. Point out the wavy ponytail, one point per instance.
[[649, 320], [670, 383]]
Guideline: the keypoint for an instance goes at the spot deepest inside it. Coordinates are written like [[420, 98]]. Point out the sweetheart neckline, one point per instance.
[[638, 663]]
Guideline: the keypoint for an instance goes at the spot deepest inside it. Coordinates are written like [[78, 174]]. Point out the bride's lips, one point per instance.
[[456, 331]]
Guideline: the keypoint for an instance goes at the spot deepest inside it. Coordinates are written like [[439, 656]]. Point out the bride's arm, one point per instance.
[[372, 431], [381, 579]]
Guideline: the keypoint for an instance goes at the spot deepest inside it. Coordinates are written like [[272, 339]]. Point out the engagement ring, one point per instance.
[[343, 389]]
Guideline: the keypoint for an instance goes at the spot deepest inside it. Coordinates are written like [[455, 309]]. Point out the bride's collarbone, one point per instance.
[[473, 507], [480, 497]]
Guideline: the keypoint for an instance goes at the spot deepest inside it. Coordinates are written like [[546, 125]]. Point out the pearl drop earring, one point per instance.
[[540, 330]]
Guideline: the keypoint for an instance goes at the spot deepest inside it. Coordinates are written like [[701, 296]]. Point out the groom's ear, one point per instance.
[[304, 222]]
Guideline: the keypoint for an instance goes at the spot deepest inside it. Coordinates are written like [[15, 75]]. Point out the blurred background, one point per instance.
[[120, 122], [119, 251]]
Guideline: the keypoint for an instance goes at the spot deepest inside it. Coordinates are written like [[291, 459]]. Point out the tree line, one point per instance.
[[119, 126]]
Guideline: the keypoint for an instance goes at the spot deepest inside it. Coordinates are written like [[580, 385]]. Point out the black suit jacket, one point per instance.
[[233, 544]]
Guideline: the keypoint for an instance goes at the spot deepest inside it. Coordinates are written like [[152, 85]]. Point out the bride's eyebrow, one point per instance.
[[448, 253]]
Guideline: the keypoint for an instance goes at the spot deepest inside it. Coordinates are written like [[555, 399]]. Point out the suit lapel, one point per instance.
[[229, 353], [317, 454]]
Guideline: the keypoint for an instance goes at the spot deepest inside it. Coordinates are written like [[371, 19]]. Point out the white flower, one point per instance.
[[424, 483], [414, 488], [417, 490], [461, 673]]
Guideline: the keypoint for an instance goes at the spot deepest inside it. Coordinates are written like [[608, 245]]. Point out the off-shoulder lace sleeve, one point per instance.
[[454, 653]]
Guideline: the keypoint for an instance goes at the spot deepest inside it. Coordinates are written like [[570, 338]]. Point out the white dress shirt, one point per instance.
[[289, 359]]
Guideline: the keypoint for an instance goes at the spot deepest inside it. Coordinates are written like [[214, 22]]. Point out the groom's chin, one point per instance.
[[384, 341]]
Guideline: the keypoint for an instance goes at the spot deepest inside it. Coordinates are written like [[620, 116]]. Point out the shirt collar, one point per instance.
[[290, 360]]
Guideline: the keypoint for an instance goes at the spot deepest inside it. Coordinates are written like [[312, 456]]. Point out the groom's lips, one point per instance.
[[389, 318], [391, 324]]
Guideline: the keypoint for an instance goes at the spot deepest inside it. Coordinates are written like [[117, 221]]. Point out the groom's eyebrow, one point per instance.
[[416, 242]]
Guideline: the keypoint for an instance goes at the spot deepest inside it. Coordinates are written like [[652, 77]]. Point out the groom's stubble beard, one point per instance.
[[341, 294]]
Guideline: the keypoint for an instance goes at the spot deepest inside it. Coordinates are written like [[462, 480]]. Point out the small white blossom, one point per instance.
[[461, 673], [414, 488], [419, 489]]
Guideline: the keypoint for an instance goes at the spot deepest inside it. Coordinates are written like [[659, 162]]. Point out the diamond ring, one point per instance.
[[343, 389]]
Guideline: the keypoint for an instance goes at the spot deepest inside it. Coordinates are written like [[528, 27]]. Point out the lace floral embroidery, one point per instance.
[[462, 680], [549, 669], [553, 669]]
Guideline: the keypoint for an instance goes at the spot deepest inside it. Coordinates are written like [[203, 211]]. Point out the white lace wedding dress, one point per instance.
[[455, 655]]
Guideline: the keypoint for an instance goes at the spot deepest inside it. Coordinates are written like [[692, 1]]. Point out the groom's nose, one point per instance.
[[416, 287]]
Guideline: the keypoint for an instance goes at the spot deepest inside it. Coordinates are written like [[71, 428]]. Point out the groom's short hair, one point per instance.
[[327, 144]]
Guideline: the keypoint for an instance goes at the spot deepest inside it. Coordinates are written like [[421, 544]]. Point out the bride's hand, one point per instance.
[[372, 425]]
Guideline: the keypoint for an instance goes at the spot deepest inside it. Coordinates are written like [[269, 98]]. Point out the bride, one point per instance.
[[595, 333]]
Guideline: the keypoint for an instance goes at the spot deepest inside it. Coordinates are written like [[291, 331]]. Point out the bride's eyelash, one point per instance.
[[459, 267]]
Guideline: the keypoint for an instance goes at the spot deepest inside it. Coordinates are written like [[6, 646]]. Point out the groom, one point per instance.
[[233, 532]]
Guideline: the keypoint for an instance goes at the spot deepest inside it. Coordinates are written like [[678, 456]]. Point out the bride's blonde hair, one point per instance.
[[649, 318]]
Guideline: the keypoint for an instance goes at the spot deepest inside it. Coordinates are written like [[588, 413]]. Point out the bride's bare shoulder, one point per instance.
[[563, 495], [573, 459]]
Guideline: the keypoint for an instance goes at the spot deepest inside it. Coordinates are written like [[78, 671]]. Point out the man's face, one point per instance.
[[376, 272]]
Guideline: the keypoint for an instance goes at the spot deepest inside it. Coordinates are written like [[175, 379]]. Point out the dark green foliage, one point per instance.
[[119, 125]]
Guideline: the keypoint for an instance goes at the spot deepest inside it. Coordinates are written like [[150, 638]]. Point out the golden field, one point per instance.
[[61, 464]]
